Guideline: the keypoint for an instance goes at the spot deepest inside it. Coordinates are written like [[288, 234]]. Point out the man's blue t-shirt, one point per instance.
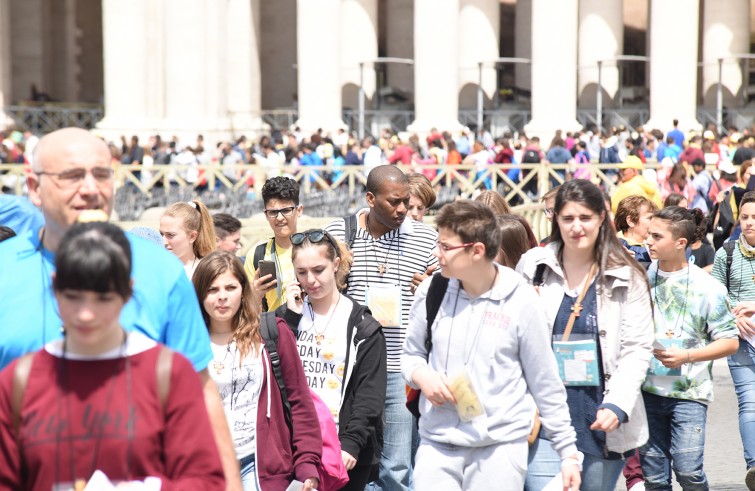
[[164, 306], [18, 213]]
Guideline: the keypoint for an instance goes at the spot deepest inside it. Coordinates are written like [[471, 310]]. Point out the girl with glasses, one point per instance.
[[342, 348], [596, 295], [103, 403], [271, 454]]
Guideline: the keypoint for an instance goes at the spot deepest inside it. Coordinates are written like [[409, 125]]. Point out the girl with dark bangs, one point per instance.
[[102, 403]]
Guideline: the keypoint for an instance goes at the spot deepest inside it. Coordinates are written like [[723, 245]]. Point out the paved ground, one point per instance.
[[724, 462]]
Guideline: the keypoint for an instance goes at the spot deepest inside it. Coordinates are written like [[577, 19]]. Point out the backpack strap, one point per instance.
[[269, 333], [350, 229], [259, 255], [163, 368], [435, 294], [729, 248], [20, 381]]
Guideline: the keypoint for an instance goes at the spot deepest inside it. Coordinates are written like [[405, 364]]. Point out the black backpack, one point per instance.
[[531, 157]]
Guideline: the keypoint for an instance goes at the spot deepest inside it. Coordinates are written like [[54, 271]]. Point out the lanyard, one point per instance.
[[274, 256]]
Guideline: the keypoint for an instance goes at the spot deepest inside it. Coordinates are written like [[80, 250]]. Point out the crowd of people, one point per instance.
[[380, 351]]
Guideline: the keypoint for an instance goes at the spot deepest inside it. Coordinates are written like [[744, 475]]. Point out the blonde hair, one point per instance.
[[495, 202], [195, 217]]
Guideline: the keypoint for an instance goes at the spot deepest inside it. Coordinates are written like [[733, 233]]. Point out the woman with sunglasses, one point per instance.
[[342, 348], [596, 295], [102, 403], [271, 453]]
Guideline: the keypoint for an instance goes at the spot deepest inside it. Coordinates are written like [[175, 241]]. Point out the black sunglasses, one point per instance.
[[314, 236]]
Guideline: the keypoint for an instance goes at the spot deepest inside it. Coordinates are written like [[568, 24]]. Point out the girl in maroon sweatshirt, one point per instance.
[[99, 399]]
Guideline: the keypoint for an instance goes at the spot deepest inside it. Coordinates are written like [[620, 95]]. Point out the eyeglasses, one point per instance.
[[75, 176], [445, 247], [548, 212], [314, 236], [286, 212]]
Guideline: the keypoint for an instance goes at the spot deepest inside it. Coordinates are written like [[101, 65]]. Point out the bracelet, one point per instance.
[[572, 461]]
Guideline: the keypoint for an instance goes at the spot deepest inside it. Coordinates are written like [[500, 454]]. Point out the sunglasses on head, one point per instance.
[[314, 236]]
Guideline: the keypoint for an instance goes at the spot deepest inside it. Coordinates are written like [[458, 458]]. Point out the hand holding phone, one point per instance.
[[267, 268]]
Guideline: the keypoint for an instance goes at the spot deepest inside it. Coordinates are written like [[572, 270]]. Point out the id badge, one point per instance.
[[657, 368], [577, 360], [384, 302], [468, 405]]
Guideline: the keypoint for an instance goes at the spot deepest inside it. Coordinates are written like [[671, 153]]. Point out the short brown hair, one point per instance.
[[629, 209], [421, 187], [473, 222]]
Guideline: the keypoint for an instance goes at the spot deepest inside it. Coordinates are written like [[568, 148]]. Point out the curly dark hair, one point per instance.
[[283, 188]]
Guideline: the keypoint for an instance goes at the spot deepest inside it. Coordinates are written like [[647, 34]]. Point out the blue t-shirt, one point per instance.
[[164, 306], [18, 213]]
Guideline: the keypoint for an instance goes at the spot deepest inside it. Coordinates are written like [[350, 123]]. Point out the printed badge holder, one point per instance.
[[577, 355], [468, 404], [657, 368], [384, 301]]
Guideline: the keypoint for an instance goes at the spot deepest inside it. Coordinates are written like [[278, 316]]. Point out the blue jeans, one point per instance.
[[598, 474], [248, 473], [742, 368], [396, 458], [677, 440], [542, 464]]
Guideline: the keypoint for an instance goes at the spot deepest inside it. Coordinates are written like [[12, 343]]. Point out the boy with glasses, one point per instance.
[[282, 210]]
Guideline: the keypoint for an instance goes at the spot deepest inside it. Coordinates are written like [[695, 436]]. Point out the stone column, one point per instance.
[[399, 43], [479, 21], [359, 45], [130, 69], [673, 64], [726, 32], [523, 43], [243, 95], [318, 25], [601, 38], [5, 62], [554, 69], [28, 50], [436, 66]]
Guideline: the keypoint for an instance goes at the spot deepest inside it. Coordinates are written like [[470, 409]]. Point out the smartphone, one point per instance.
[[265, 268], [295, 486]]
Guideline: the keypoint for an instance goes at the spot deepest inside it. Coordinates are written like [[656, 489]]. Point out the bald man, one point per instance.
[[72, 173], [389, 250]]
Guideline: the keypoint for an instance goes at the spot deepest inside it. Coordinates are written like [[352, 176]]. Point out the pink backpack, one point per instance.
[[332, 472]]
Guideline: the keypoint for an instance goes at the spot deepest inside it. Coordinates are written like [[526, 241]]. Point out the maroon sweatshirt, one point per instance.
[[283, 455], [75, 418]]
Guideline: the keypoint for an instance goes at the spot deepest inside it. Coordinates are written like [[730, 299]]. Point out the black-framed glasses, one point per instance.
[[314, 236], [446, 248], [286, 212], [75, 176], [549, 212]]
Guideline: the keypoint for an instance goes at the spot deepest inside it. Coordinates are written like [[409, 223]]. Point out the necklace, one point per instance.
[[671, 332], [320, 334], [80, 483], [383, 267], [218, 366]]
